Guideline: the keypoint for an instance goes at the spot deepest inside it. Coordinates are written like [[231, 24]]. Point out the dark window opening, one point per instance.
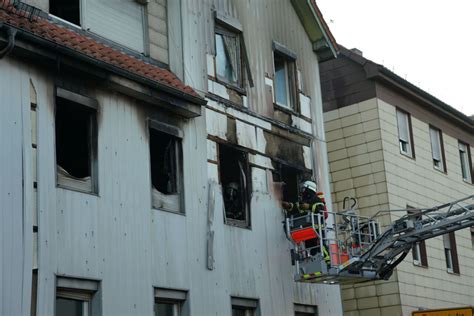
[[68, 10], [291, 178], [73, 134], [165, 165], [235, 181]]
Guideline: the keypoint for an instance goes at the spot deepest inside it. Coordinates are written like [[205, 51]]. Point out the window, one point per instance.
[[420, 257], [285, 77], [405, 135], [244, 306], [228, 56], [466, 162], [472, 236], [76, 141], [231, 54], [75, 297], [291, 178], [450, 252], [120, 21], [305, 310], [169, 302], [235, 179], [437, 149], [68, 10], [166, 167]]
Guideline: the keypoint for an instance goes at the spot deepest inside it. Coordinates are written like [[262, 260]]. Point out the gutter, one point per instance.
[[11, 32], [116, 70]]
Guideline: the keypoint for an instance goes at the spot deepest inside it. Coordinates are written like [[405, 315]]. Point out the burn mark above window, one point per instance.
[[76, 145], [68, 10], [166, 170], [235, 180]]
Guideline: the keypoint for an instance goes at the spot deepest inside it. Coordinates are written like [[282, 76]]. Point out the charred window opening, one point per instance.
[[68, 10], [75, 145], [291, 178], [235, 181], [165, 165]]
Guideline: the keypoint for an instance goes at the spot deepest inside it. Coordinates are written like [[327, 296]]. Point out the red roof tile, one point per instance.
[[80, 43]]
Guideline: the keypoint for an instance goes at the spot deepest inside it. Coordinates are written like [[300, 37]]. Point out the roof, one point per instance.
[[32, 21], [379, 72], [324, 25]]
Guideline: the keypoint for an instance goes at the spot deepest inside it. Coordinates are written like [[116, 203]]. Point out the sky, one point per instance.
[[428, 42]]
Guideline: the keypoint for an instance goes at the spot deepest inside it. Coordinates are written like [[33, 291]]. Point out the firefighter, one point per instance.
[[310, 201]]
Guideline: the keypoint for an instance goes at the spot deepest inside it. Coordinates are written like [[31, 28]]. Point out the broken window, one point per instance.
[[291, 178], [235, 180], [76, 141], [285, 77], [74, 297], [166, 167], [169, 302], [231, 55], [68, 10], [404, 133]]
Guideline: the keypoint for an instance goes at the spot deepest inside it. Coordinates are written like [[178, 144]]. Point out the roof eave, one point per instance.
[[324, 44]]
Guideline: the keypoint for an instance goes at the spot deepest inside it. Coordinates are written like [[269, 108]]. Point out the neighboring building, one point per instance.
[[123, 189], [391, 145]]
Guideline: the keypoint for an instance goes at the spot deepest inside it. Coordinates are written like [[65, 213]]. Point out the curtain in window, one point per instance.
[[230, 45]]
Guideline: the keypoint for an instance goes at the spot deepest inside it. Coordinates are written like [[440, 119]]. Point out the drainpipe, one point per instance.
[[11, 32]]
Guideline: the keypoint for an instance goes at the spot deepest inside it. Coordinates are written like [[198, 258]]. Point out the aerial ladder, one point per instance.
[[354, 250]]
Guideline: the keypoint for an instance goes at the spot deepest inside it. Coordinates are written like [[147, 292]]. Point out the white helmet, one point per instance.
[[309, 185]]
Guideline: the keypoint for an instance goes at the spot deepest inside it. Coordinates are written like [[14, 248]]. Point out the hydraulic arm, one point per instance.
[[358, 252]]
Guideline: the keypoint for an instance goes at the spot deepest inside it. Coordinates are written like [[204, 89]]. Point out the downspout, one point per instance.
[[11, 32]]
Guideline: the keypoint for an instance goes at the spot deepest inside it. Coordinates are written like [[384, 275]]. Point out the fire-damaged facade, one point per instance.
[[146, 148]]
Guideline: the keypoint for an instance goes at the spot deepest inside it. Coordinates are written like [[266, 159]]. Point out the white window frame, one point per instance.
[[465, 163], [436, 143], [173, 297], [82, 290], [403, 116]]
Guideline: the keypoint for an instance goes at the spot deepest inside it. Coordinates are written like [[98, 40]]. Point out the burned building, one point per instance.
[[146, 146]]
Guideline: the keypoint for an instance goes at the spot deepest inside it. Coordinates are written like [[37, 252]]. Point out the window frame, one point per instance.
[[410, 141], [442, 156], [280, 52], [174, 297], [223, 31], [304, 309], [419, 253], [466, 164], [82, 290], [177, 134], [245, 195], [91, 105], [451, 253], [249, 305]]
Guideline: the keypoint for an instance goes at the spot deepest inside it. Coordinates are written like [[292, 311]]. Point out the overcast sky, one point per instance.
[[428, 42]]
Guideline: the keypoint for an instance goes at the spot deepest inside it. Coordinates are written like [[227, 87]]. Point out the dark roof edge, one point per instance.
[[379, 72], [324, 27]]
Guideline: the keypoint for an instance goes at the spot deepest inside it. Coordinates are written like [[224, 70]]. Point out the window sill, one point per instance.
[[407, 155], [237, 223], [419, 264], [71, 188], [440, 170], [285, 109], [168, 211], [228, 85], [453, 273], [468, 182]]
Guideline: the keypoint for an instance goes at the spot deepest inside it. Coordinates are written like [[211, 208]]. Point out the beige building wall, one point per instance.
[[365, 162]]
